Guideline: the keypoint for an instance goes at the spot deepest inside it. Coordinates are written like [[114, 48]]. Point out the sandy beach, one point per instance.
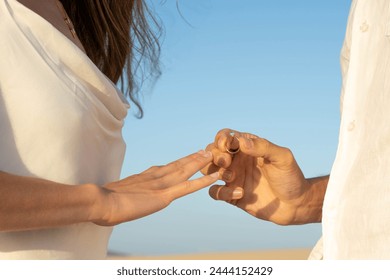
[[277, 254]]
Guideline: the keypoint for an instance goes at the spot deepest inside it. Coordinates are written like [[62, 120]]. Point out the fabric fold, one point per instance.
[[61, 119]]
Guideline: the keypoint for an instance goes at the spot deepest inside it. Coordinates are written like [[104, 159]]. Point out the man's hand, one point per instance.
[[263, 179]]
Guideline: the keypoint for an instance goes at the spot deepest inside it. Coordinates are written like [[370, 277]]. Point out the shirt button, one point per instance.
[[364, 27], [351, 126]]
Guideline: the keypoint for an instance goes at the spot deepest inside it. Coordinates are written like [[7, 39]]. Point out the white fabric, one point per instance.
[[356, 217], [60, 119]]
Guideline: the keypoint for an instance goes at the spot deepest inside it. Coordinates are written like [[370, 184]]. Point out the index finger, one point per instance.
[[202, 157], [259, 147], [183, 169], [226, 139]]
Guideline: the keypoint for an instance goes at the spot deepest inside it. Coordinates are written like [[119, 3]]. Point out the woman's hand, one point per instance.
[[263, 179], [152, 190]]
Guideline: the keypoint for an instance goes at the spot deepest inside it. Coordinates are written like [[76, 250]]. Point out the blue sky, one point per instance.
[[269, 67]]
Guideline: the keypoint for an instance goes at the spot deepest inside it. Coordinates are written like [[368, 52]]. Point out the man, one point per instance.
[[265, 180]]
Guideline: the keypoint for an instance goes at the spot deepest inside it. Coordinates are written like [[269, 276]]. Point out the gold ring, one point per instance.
[[233, 151]]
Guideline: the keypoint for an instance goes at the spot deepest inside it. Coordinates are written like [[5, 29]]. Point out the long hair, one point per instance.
[[121, 38]]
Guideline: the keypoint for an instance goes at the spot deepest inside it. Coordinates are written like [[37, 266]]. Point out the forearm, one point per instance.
[[32, 203], [310, 210]]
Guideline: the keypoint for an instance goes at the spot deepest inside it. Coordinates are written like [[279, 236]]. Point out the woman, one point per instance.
[[61, 117]]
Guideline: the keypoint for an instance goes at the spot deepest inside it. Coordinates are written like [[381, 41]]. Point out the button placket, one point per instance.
[[351, 125], [364, 26]]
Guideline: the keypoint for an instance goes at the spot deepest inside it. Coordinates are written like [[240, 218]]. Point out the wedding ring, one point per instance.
[[233, 151]]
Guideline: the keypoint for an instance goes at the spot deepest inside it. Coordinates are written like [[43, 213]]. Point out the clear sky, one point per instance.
[[269, 67]]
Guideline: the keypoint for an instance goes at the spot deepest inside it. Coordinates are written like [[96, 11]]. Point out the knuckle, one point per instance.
[[188, 184], [222, 132], [153, 169], [227, 175], [264, 143], [288, 155], [248, 135], [210, 147], [156, 184], [177, 164]]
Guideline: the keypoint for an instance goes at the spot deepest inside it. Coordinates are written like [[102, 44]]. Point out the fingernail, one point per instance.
[[205, 154], [214, 175], [237, 194]]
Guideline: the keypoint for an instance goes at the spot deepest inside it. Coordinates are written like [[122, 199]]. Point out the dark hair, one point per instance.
[[121, 38]]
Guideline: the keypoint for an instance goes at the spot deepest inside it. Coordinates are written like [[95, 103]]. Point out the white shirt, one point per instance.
[[356, 210], [61, 120]]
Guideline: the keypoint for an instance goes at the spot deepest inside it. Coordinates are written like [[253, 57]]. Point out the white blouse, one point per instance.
[[61, 120], [356, 211]]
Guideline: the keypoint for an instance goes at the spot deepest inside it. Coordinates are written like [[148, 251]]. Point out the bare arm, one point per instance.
[[310, 210], [27, 203], [30, 203]]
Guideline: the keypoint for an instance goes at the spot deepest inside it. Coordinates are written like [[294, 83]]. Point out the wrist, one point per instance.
[[310, 208], [98, 211]]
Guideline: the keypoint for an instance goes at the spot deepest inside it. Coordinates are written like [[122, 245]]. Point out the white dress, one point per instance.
[[61, 120]]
